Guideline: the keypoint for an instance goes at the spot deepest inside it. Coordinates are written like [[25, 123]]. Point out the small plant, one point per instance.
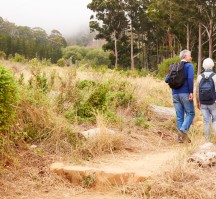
[[141, 121], [34, 62], [39, 81], [2, 55], [46, 62], [21, 79], [19, 58], [42, 82], [61, 62], [52, 78], [88, 181]]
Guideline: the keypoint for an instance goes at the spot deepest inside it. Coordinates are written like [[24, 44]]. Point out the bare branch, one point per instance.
[[205, 42], [206, 28]]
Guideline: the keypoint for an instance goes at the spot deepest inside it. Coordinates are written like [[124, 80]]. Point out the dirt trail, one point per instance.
[[142, 164]]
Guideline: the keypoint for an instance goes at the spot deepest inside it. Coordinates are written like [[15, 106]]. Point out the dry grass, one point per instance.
[[103, 142], [57, 136], [45, 128], [152, 91], [181, 180], [184, 180]]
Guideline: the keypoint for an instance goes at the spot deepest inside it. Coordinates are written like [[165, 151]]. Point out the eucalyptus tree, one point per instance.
[[133, 10], [110, 22], [56, 42], [208, 11]]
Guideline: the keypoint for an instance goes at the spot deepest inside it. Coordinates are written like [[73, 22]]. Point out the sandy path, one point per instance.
[[142, 164]]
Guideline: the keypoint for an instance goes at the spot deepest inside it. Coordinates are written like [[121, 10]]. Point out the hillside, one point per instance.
[[144, 142]]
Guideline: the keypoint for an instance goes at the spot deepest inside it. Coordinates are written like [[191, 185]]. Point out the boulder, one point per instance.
[[205, 156], [163, 111], [96, 131]]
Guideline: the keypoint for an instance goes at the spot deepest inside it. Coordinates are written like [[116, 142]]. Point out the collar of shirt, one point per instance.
[[208, 70], [183, 60]]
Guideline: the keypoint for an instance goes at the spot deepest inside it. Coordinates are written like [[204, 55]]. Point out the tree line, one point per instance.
[[30, 42], [142, 33]]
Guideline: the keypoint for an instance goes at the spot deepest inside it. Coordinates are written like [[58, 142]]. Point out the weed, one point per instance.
[[141, 121], [88, 181]]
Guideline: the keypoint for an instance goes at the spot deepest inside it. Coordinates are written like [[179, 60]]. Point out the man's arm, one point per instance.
[[197, 91], [190, 80]]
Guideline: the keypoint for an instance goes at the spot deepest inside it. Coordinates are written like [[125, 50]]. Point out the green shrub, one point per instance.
[[8, 97], [19, 58], [34, 62], [163, 67], [8, 101], [2, 55], [141, 121], [46, 62], [92, 96], [61, 62], [39, 81]]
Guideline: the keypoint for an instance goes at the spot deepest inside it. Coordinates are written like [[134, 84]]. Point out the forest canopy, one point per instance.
[[30, 42], [142, 33]]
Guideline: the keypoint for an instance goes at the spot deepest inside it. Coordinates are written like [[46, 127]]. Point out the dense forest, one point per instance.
[[142, 33], [30, 42]]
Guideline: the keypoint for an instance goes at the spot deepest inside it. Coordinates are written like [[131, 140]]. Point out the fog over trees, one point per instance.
[[138, 33]]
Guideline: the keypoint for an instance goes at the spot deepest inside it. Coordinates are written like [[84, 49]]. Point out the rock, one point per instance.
[[163, 111], [96, 131], [33, 146], [205, 155], [93, 177]]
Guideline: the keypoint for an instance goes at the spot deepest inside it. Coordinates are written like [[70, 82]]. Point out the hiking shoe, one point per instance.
[[184, 136], [188, 139], [180, 141]]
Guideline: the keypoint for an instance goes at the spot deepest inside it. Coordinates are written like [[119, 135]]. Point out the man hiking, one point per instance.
[[180, 78]]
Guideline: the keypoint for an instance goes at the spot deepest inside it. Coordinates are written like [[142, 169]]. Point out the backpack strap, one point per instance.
[[210, 76], [171, 68]]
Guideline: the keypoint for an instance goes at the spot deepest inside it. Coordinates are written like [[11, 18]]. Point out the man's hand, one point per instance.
[[191, 97]]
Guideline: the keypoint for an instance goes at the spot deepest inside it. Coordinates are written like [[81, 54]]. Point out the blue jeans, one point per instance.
[[209, 113], [184, 111]]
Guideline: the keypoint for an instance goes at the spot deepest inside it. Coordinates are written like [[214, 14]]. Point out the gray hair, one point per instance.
[[183, 53], [208, 63]]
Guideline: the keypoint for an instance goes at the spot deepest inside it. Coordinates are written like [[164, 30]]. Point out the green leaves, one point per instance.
[[8, 97]]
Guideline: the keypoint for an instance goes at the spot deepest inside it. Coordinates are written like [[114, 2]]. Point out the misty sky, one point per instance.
[[67, 16]]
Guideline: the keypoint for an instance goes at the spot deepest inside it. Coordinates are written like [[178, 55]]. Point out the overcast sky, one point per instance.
[[67, 16]]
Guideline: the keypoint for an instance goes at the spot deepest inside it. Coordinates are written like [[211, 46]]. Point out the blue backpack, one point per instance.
[[207, 90]]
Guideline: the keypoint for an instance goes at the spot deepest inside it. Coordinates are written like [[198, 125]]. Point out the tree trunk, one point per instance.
[[132, 54], [116, 51], [211, 38], [169, 39], [199, 50], [188, 37], [157, 48]]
